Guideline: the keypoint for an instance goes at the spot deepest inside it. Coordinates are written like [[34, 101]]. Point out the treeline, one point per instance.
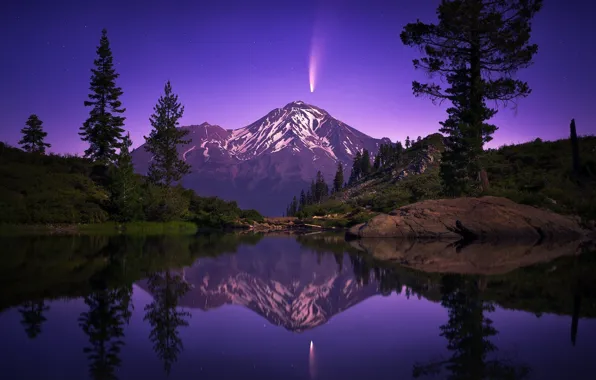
[[111, 189], [362, 166]]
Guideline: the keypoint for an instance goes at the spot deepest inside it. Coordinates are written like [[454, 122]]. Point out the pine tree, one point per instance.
[[338, 181], [166, 166], [377, 162], [302, 199], [321, 190], [103, 129], [309, 200], [33, 136], [398, 152], [124, 186], [477, 47], [408, 142], [356, 168], [419, 139], [294, 206], [365, 163]]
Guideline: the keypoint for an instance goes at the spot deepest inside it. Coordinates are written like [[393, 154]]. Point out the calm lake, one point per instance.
[[309, 307]]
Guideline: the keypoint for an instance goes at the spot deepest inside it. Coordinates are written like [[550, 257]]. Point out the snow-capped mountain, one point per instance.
[[262, 165]]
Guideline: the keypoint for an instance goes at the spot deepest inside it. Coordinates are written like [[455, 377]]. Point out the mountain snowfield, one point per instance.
[[264, 164]]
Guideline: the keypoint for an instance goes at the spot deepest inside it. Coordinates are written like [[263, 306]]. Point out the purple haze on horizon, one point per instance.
[[231, 62]]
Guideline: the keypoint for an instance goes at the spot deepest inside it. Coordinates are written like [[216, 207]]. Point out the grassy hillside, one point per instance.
[[52, 189], [536, 173]]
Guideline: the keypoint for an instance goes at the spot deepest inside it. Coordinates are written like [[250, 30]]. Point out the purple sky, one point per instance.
[[231, 62]]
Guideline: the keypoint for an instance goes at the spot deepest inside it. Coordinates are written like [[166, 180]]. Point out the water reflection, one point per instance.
[[33, 317], [109, 311], [469, 334], [297, 284], [164, 317]]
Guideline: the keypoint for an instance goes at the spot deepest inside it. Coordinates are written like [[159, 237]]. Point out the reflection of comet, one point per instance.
[[312, 365]]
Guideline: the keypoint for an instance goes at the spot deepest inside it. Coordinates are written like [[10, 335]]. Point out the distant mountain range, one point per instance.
[[263, 165]]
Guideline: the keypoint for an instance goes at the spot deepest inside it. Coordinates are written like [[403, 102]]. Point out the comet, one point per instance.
[[312, 70]]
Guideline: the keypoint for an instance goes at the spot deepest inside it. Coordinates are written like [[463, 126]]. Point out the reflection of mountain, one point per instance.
[[279, 281]]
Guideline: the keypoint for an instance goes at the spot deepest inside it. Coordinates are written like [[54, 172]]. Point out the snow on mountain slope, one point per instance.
[[276, 155]]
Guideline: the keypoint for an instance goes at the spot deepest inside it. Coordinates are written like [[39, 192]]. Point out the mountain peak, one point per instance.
[[274, 155]]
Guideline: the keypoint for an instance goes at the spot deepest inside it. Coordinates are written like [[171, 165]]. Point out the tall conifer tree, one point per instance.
[[365, 163], [477, 46], [166, 167], [34, 136], [103, 129], [338, 181]]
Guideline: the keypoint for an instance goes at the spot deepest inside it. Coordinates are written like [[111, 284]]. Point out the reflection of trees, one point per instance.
[[33, 317], [167, 289], [468, 332], [109, 310], [361, 269]]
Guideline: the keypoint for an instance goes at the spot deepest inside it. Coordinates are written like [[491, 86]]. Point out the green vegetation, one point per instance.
[[538, 173], [50, 189], [39, 189], [477, 47], [541, 173]]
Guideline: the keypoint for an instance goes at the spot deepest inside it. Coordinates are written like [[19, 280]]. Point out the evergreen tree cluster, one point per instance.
[[130, 197], [318, 191], [388, 154]]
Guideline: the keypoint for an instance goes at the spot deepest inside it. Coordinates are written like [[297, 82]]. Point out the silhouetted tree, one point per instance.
[[34, 136], [575, 148], [356, 168], [166, 166], [418, 139], [377, 162], [477, 47], [124, 186], [365, 163], [164, 317], [302, 199], [309, 200], [103, 129], [408, 142], [338, 181], [33, 317], [109, 310], [398, 152], [320, 189]]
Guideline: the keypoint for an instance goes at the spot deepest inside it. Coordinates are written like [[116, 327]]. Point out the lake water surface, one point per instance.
[[250, 307]]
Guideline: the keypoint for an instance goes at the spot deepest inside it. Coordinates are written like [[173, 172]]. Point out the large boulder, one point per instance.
[[484, 219]]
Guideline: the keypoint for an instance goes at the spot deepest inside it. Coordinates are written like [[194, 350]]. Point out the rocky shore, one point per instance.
[[471, 219]]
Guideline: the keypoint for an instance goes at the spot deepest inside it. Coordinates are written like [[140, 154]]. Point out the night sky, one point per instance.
[[231, 62]]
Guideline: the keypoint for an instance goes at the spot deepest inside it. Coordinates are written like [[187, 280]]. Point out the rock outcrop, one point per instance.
[[418, 165], [471, 219]]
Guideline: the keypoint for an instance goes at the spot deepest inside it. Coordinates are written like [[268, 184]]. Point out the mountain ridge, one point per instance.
[[261, 164]]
